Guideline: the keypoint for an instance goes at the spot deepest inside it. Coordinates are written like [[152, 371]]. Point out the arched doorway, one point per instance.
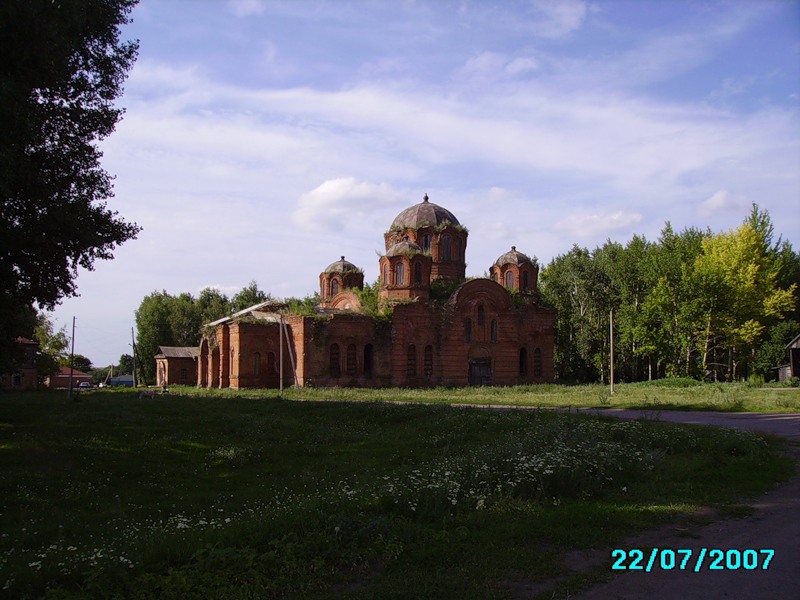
[[480, 367]]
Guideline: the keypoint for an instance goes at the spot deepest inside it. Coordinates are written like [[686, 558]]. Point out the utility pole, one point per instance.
[[611, 344], [133, 345], [71, 360]]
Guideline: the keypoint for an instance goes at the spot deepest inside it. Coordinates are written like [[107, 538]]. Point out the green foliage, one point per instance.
[[306, 307], [249, 296], [62, 66], [691, 304], [53, 346]]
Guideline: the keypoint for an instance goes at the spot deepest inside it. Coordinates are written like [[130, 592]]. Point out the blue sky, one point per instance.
[[262, 140]]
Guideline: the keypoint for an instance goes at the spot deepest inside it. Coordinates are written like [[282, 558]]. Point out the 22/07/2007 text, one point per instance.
[[682, 559]]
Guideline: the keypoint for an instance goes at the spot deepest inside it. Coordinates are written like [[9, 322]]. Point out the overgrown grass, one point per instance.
[[115, 496], [663, 394]]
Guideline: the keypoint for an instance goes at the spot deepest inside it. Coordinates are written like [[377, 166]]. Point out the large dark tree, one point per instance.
[[62, 66]]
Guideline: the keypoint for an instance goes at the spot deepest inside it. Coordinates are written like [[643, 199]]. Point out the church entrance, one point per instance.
[[480, 371]]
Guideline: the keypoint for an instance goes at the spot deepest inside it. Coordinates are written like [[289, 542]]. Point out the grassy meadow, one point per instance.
[[246, 496], [663, 394]]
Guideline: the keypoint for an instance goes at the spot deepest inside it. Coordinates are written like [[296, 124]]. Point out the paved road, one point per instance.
[[775, 524]]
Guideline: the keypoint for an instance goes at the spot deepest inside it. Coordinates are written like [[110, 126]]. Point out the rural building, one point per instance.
[[435, 327], [792, 369], [26, 376], [61, 378], [176, 365]]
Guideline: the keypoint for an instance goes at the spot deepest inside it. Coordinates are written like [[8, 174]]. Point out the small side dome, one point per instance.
[[340, 266], [405, 247], [514, 257], [424, 214]]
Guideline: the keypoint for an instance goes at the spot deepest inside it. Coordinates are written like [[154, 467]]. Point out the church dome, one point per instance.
[[341, 266], [514, 257], [424, 214], [404, 247]]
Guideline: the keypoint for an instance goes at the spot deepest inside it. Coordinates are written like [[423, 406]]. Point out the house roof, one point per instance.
[[178, 351], [793, 342], [64, 372]]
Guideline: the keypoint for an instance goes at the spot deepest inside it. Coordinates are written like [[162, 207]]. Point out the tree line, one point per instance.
[[693, 304]]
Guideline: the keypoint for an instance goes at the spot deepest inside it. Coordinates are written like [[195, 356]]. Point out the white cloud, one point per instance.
[[246, 8], [343, 203], [723, 200], [558, 18]]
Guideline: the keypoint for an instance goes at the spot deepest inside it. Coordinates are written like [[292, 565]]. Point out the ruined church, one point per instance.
[[434, 327]]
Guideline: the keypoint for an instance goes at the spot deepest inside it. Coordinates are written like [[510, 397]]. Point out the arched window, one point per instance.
[[523, 361], [335, 361], [537, 363], [411, 361], [351, 360], [509, 279], [385, 274], [481, 315], [271, 366], [418, 273], [446, 250], [525, 281], [494, 330], [334, 287], [368, 368], [257, 364], [426, 242], [459, 252], [399, 274], [428, 365], [468, 330]]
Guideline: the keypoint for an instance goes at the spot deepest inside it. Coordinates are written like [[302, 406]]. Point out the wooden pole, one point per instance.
[[71, 360], [611, 344], [133, 345]]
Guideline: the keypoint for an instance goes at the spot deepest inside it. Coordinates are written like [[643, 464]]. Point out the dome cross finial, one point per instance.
[[425, 198]]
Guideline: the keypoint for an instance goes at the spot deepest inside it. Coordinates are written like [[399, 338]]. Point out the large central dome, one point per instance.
[[424, 214]]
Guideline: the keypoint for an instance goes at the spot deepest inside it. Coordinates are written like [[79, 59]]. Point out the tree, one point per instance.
[[249, 296], [212, 305], [79, 363], [62, 66], [53, 345], [125, 366], [153, 330]]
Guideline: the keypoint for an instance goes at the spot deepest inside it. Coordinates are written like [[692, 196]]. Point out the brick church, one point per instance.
[[434, 327]]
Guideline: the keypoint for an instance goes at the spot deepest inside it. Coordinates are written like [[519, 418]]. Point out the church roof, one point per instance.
[[514, 257], [341, 266], [404, 247], [424, 214]]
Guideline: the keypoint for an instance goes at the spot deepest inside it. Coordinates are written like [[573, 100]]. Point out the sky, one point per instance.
[[262, 140]]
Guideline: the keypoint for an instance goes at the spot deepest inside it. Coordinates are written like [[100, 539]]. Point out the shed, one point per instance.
[[176, 365]]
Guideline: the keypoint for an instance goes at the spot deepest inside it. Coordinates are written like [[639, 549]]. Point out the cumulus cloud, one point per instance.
[[723, 200], [342, 203], [598, 224], [558, 18]]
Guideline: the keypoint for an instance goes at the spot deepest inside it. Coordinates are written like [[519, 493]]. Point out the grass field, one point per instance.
[[205, 496], [664, 394]]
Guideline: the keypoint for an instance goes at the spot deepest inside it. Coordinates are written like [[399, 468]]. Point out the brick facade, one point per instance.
[[487, 332]]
